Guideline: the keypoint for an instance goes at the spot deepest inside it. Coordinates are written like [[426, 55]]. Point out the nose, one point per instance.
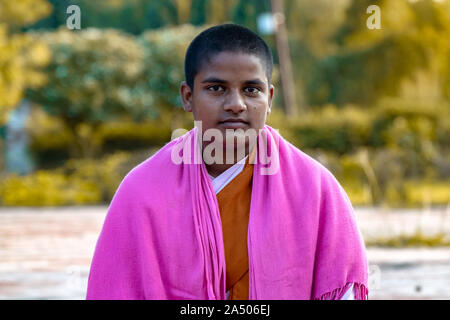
[[234, 102]]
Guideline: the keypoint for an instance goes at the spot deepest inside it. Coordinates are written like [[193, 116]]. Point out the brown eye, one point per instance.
[[252, 90], [215, 88]]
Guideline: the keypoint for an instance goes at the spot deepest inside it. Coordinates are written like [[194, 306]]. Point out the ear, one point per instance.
[[186, 96], [270, 97]]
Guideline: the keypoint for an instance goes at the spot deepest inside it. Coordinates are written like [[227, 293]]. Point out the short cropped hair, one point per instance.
[[226, 37]]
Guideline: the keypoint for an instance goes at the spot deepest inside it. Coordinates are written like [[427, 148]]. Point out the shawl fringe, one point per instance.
[[360, 290]]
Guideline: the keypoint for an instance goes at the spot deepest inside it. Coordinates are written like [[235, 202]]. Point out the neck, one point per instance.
[[215, 169]]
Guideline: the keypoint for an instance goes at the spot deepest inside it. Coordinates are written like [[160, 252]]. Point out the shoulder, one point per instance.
[[312, 175], [305, 166], [149, 175]]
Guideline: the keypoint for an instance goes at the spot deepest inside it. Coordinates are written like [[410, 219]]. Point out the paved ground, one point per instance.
[[46, 253]]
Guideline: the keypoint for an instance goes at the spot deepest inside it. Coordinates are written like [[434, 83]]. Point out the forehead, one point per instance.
[[232, 66]]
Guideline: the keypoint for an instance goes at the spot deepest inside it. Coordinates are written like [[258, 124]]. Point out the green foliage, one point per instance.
[[312, 24], [98, 76], [21, 56], [418, 239], [336, 58], [91, 79], [341, 61], [78, 182], [23, 12], [341, 131], [46, 131], [391, 123], [51, 141], [91, 76], [395, 153], [164, 62], [423, 192], [110, 91], [377, 152], [123, 135], [385, 63], [47, 189], [105, 173], [131, 16], [136, 16]]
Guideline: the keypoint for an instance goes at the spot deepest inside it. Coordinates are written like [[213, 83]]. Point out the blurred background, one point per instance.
[[89, 91]]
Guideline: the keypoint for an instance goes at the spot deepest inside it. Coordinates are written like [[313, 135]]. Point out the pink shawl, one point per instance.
[[162, 236]]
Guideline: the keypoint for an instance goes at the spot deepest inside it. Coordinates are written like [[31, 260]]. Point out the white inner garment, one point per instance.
[[225, 177]]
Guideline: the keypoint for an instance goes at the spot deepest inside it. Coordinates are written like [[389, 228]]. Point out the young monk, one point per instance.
[[252, 219]]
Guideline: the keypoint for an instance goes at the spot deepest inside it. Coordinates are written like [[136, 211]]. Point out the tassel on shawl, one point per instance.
[[360, 290]]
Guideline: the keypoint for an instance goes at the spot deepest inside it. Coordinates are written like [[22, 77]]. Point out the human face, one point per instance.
[[231, 91]]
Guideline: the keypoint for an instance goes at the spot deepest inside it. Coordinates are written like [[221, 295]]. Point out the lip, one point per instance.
[[233, 123]]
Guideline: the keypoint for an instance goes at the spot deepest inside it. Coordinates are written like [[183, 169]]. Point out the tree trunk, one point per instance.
[[287, 78]]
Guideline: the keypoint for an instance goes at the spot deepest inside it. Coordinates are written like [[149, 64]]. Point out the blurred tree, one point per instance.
[[164, 68], [100, 75], [92, 78], [246, 12], [336, 58], [132, 16], [57, 17], [183, 10], [135, 16], [370, 64], [20, 55], [219, 11], [433, 18], [311, 26], [198, 12]]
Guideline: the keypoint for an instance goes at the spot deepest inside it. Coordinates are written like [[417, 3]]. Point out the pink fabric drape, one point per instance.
[[162, 236]]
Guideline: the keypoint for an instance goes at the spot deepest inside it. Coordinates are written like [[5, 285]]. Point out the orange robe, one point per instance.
[[234, 206]]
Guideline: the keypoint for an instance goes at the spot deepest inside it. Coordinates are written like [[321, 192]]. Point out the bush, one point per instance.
[[79, 182], [393, 123], [422, 192], [332, 129], [128, 135], [47, 188], [382, 177], [105, 173], [51, 142]]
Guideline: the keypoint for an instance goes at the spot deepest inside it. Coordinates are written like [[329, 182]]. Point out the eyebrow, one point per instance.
[[217, 80]]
